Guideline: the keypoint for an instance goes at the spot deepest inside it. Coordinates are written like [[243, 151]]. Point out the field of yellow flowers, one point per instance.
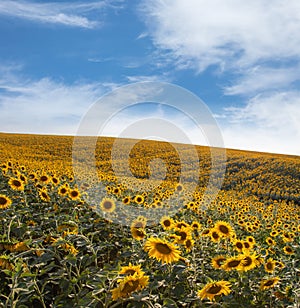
[[57, 250]]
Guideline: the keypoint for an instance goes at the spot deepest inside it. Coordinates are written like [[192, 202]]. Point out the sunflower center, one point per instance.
[[163, 248], [215, 235], [74, 193], [3, 201], [224, 229], [16, 183], [183, 235], [44, 178], [247, 245], [220, 261], [139, 233], [233, 263], [107, 205], [188, 243], [269, 283], [214, 289], [167, 223], [130, 286], [269, 266], [130, 272], [239, 245], [248, 261]]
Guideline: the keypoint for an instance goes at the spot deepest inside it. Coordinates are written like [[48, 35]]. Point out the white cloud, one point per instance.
[[232, 33], [259, 79], [141, 78], [45, 105], [268, 123], [71, 14], [257, 43]]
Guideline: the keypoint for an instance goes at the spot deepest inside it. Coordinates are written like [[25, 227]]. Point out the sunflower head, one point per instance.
[[232, 263], [131, 270], [138, 233], [128, 285], [270, 265], [167, 222], [215, 288], [5, 202], [16, 184], [218, 261], [269, 283], [162, 250], [224, 229], [108, 205]]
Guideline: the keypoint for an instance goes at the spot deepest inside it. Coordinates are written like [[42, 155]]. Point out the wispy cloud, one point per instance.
[[257, 48], [140, 78], [73, 14], [268, 122], [233, 33], [259, 79], [44, 105]]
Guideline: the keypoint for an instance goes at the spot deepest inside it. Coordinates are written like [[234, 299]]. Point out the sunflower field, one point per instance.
[[242, 249]]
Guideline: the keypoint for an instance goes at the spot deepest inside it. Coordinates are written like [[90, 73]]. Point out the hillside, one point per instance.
[[120, 223], [265, 175]]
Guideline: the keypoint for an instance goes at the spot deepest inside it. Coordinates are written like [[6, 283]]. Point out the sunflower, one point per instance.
[[55, 180], [17, 247], [215, 235], [74, 194], [251, 240], [224, 229], [63, 190], [217, 262], [269, 283], [279, 264], [44, 179], [205, 233], [162, 250], [288, 250], [139, 199], [179, 187], [69, 248], [167, 222], [274, 233], [128, 285], [23, 178], [131, 270], [270, 265], [196, 225], [16, 184], [5, 202], [248, 262], [270, 241], [215, 288], [44, 195], [232, 263], [189, 244], [126, 200], [183, 234], [5, 263], [238, 245], [139, 222], [180, 224], [287, 237], [108, 205], [138, 233]]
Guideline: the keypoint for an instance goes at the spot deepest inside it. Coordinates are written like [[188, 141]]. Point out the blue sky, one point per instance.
[[242, 59]]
